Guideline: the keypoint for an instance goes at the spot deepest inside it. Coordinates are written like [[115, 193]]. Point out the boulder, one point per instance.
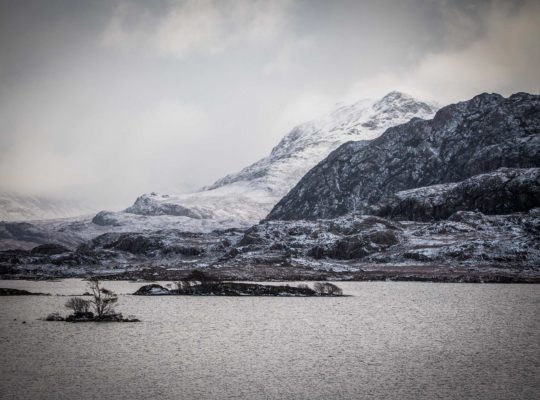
[[358, 246], [106, 218], [152, 290], [50, 249]]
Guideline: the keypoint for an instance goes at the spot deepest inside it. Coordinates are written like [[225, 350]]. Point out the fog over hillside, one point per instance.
[[103, 101]]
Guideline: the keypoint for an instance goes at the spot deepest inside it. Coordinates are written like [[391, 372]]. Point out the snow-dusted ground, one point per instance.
[[468, 244]]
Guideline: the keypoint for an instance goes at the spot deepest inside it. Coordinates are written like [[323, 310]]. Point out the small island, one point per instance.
[[19, 292], [100, 308], [200, 284]]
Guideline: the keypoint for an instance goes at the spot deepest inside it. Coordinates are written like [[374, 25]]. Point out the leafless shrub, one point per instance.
[[78, 305]]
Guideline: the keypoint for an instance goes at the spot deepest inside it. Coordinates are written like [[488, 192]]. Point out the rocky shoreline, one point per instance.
[[284, 273]]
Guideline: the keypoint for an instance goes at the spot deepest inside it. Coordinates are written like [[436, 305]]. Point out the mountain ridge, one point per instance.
[[462, 140], [248, 195]]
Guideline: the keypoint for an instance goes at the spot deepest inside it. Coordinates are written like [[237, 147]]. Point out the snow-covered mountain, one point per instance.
[[455, 198], [235, 201], [24, 208], [463, 140], [244, 198]]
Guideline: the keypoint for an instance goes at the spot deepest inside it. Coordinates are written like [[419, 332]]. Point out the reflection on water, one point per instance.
[[387, 341]]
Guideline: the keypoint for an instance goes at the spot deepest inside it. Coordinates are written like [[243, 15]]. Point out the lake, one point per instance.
[[387, 340]]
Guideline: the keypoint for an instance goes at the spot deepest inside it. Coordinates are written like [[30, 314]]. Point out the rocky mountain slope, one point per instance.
[[237, 200], [462, 140], [504, 191], [455, 198], [466, 244], [247, 196]]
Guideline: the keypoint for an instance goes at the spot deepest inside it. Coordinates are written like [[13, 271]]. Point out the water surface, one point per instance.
[[387, 341]]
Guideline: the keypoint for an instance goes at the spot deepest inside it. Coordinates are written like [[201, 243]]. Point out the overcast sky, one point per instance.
[[110, 99]]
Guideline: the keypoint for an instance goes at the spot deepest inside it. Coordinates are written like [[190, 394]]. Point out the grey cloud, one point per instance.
[[106, 100]]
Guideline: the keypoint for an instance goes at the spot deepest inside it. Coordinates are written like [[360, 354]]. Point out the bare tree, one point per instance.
[[78, 305], [103, 299]]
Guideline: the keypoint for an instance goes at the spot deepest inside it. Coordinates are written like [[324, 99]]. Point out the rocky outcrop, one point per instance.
[[345, 238], [361, 241], [461, 141], [152, 290], [151, 204], [164, 243], [50, 249], [357, 246], [135, 243], [106, 218], [504, 191]]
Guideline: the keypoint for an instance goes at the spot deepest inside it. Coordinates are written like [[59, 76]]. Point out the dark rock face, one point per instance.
[[162, 242], [105, 218], [504, 191], [358, 246], [135, 244], [462, 140], [50, 249]]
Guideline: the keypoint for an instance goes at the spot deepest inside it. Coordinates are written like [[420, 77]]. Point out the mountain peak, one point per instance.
[[247, 196], [306, 144], [395, 95], [396, 103]]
